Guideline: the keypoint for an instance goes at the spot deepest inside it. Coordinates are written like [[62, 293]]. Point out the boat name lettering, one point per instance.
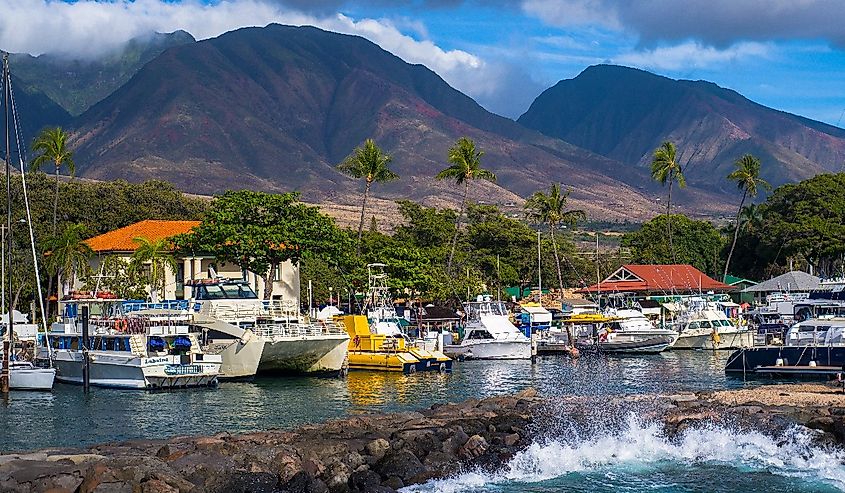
[[160, 359], [182, 369]]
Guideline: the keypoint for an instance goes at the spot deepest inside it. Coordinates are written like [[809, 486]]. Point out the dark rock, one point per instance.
[[474, 447], [402, 464], [364, 481], [251, 482], [393, 483]]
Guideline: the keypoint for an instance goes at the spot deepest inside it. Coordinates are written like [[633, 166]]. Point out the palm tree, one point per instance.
[[550, 209], [52, 144], [666, 169], [747, 178], [370, 163], [466, 166], [157, 254], [68, 255], [751, 216]]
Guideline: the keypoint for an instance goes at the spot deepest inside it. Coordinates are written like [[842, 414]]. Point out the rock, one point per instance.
[[287, 466], [364, 481], [676, 398], [250, 482], [156, 486], [746, 409], [393, 483], [337, 476], [511, 440], [823, 423], [528, 393], [75, 458], [456, 442], [475, 446], [163, 452], [402, 464], [377, 448]]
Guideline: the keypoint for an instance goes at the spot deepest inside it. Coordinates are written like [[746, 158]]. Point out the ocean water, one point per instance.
[[632, 457]]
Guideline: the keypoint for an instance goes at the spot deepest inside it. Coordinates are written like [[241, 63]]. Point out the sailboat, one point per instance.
[[16, 374]]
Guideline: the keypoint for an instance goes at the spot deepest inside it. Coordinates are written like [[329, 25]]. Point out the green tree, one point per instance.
[[51, 143], [665, 168], [465, 166], [747, 178], [372, 164], [550, 209], [156, 256], [697, 243], [118, 277], [259, 231], [68, 256], [751, 217]]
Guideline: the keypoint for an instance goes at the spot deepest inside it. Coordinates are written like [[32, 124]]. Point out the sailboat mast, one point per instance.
[[539, 269], [7, 341]]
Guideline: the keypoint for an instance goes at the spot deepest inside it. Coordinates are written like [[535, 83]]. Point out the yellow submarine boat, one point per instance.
[[383, 352]]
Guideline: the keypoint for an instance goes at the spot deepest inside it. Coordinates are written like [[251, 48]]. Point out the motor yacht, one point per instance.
[[489, 333]]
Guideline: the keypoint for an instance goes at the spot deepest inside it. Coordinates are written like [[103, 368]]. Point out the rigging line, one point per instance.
[[21, 156]]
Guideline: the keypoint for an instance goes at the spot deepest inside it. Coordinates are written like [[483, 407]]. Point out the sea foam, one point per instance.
[[642, 445]]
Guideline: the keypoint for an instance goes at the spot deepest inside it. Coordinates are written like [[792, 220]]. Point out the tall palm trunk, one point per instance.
[[56, 202], [736, 235], [669, 219], [361, 223], [268, 282], [457, 228]]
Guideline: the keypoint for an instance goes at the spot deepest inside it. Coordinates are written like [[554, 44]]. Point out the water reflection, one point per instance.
[[67, 417]]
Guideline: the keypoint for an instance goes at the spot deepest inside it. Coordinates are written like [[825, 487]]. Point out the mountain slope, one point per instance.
[[276, 108], [78, 83], [35, 111], [624, 114]]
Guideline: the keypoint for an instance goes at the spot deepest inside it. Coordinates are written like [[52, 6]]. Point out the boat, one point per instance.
[[369, 350], [489, 333], [271, 331], [383, 320], [127, 350], [812, 348], [707, 328], [622, 331], [26, 376]]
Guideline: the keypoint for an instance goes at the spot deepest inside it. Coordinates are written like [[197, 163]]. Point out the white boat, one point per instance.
[[626, 331], [128, 350], [23, 375], [712, 329], [270, 332], [489, 334]]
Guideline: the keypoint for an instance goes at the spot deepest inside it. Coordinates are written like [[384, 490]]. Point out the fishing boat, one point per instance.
[[712, 329], [127, 350], [383, 320], [813, 348], [369, 350], [622, 331], [489, 333], [271, 331]]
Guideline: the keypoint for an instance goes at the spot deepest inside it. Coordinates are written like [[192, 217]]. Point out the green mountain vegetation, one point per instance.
[[78, 82]]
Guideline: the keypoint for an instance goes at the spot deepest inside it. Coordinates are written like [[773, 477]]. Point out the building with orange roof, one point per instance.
[[651, 280], [121, 243]]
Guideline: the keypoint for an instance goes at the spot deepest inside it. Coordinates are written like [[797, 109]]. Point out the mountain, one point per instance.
[[624, 114], [76, 83], [35, 111], [276, 108]]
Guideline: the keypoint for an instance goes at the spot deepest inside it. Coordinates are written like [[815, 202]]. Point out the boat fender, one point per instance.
[[442, 368], [812, 364], [779, 362], [356, 341]]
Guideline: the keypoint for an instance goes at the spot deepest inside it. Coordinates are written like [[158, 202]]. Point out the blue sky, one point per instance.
[[787, 54]]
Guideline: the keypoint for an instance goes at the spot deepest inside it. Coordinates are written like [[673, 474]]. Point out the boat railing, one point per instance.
[[237, 311], [180, 305], [299, 329], [281, 309]]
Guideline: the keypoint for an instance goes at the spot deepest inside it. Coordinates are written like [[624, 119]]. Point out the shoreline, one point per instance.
[[385, 452]]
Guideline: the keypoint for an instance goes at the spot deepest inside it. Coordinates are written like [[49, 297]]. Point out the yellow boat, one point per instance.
[[368, 351]]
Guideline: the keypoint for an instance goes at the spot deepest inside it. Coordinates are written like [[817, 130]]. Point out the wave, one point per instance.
[[641, 445]]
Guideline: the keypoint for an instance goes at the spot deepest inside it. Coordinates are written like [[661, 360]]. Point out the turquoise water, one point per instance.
[[635, 459]]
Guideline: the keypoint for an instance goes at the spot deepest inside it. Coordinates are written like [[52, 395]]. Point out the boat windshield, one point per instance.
[[477, 309], [233, 291]]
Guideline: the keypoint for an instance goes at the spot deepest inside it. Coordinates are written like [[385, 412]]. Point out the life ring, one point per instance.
[[122, 325]]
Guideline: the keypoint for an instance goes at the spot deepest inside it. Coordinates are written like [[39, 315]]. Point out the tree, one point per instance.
[[68, 255], [466, 166], [157, 256], [550, 209], [697, 243], [259, 231], [751, 216], [747, 178], [52, 145], [370, 163], [666, 169], [118, 277]]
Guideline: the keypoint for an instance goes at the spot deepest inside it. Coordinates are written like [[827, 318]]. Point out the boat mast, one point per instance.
[[539, 270], [7, 341]]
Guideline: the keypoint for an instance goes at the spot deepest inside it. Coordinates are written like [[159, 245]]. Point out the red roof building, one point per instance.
[[123, 239], [657, 279]]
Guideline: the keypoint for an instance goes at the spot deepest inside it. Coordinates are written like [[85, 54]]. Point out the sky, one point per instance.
[[786, 54]]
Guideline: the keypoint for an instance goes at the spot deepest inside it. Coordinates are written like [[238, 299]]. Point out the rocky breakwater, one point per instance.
[[383, 453], [369, 453]]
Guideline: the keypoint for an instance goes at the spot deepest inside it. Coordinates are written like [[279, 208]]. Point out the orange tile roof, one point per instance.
[[678, 278], [121, 240]]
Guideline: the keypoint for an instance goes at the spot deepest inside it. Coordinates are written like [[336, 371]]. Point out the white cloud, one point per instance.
[[691, 55]]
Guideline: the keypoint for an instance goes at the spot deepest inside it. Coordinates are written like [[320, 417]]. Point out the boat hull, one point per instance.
[[32, 378], [240, 360], [322, 354], [650, 344], [733, 340], [132, 372], [764, 361], [490, 350]]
